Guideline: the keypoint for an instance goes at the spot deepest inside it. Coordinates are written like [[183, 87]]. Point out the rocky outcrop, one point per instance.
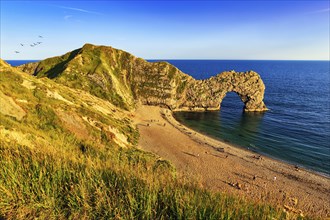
[[29, 67], [124, 79], [208, 94]]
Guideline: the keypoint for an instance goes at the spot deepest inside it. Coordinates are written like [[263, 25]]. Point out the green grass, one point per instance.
[[117, 184], [182, 85], [54, 66], [54, 174]]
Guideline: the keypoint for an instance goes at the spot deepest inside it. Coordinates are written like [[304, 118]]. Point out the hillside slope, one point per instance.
[[124, 79], [112, 74], [50, 107], [66, 154]]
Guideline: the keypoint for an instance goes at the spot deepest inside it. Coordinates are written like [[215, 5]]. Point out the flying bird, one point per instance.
[[40, 36], [16, 51], [32, 45], [39, 42], [22, 45]]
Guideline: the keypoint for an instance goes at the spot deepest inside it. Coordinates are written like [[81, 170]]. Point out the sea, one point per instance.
[[295, 130]]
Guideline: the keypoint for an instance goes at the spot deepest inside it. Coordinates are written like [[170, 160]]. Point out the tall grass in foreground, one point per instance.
[[127, 184]]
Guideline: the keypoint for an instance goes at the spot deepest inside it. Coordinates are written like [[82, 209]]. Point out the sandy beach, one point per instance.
[[222, 167]]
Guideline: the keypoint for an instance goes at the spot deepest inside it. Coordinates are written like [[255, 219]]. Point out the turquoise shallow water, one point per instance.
[[295, 130], [297, 127]]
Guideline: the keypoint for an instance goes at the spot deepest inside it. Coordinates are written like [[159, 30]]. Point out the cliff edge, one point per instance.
[[124, 79]]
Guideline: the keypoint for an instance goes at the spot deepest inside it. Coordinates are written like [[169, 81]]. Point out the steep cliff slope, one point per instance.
[[124, 79]]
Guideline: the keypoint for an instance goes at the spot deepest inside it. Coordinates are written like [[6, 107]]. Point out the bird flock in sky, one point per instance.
[[34, 44]]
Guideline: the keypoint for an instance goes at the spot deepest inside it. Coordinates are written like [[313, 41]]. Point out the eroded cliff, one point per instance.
[[124, 79]]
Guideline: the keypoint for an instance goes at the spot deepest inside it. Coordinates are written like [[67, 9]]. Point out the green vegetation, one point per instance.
[[52, 67], [172, 71], [63, 161], [182, 85], [110, 184]]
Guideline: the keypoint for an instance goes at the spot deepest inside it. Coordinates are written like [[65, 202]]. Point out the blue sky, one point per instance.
[[276, 30]]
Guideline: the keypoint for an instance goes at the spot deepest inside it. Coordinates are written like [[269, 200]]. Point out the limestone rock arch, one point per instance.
[[208, 94]]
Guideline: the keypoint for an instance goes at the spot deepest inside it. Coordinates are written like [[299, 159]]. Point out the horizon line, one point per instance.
[[215, 59]]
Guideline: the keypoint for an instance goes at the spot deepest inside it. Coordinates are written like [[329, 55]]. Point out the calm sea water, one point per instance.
[[20, 62], [297, 127]]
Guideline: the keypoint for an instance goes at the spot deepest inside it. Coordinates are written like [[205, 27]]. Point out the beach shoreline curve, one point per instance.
[[223, 167]]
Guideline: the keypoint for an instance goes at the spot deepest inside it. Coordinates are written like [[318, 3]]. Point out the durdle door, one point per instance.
[[208, 94]]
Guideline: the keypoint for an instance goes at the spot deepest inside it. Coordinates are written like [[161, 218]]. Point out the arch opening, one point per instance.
[[232, 101]]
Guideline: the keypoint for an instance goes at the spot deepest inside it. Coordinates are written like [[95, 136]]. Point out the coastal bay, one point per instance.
[[165, 110], [219, 166], [296, 128]]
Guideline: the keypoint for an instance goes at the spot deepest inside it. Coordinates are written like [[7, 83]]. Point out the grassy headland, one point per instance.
[[66, 154]]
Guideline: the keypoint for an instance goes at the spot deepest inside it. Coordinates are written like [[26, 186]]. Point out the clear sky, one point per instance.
[[277, 30]]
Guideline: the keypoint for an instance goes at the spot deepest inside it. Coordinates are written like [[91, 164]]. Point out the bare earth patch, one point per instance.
[[9, 107], [101, 109], [118, 137], [16, 136], [28, 84], [73, 123], [219, 166], [57, 96]]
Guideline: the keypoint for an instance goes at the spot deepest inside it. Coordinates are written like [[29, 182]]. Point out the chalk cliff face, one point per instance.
[[124, 79], [208, 94]]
